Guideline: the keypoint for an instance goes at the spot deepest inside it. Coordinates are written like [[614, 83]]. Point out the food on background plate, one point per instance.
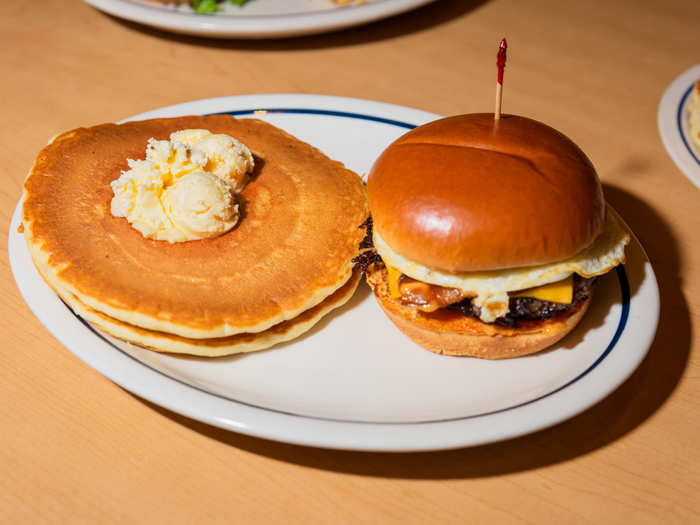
[[200, 6], [344, 3], [212, 6], [284, 264], [694, 114], [488, 235]]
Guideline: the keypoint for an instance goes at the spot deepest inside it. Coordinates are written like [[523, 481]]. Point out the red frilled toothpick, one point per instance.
[[501, 63]]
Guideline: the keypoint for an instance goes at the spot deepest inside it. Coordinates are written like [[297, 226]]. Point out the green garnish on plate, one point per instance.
[[205, 7]]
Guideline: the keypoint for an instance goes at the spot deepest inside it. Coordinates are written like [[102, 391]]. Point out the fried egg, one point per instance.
[[606, 252]]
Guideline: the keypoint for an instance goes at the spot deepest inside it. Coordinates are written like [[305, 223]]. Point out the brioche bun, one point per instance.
[[471, 193], [451, 333]]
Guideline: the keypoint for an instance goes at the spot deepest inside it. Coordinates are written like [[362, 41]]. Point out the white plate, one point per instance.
[[259, 18], [355, 382], [674, 126]]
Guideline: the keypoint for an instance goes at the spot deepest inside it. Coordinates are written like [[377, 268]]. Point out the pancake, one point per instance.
[[299, 229], [218, 346]]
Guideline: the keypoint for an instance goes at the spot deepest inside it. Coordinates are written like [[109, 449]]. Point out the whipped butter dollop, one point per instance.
[[185, 188]]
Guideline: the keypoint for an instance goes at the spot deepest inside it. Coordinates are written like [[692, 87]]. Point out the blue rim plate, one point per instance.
[[674, 127], [355, 382]]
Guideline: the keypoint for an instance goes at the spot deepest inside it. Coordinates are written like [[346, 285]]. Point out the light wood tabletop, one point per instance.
[[75, 447]]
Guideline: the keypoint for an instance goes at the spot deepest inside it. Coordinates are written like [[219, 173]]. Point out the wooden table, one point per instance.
[[74, 447]]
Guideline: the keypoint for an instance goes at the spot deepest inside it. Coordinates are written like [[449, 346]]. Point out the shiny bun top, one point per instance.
[[469, 193]]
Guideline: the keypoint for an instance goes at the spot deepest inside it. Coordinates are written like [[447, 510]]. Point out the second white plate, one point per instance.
[[674, 126], [355, 382], [259, 18]]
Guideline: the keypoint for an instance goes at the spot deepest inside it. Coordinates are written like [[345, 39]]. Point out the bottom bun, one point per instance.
[[452, 333]]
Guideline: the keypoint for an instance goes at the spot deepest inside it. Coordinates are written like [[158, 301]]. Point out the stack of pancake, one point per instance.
[[283, 266]]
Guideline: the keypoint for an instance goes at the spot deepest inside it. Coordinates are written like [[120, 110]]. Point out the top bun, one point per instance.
[[470, 193]]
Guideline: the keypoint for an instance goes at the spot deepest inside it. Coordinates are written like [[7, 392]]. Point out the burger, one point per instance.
[[486, 236]]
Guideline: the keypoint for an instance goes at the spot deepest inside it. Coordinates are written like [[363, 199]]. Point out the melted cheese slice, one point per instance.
[[557, 292], [394, 276]]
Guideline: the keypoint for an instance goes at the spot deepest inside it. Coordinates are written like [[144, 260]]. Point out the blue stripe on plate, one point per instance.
[[679, 123], [324, 112], [620, 270]]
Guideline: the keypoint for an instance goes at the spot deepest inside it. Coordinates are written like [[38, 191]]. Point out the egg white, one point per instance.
[[606, 252]]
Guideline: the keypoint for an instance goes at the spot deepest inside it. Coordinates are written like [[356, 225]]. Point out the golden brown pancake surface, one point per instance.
[[291, 249]]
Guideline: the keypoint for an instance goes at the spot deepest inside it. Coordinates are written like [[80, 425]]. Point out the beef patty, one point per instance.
[[529, 308]]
